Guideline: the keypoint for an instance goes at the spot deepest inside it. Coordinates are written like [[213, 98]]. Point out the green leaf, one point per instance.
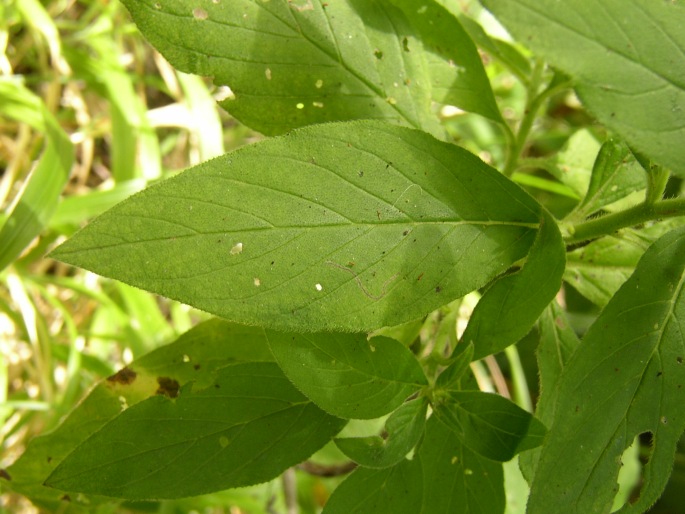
[[455, 479], [516, 301], [290, 64], [572, 165], [615, 175], [395, 490], [505, 52], [558, 341], [455, 67], [624, 379], [346, 374], [403, 430], [599, 268], [450, 377], [628, 60], [248, 427], [193, 357], [489, 424], [39, 197], [344, 226]]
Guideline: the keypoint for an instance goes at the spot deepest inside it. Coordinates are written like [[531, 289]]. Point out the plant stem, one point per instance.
[[533, 104], [518, 375], [610, 223]]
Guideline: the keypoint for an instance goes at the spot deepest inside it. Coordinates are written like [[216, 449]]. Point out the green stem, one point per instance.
[[610, 223], [656, 184], [518, 375]]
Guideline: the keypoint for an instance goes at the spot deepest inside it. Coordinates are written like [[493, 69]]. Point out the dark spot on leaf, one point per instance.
[[378, 54], [124, 376], [405, 232], [4, 474], [49, 459], [168, 387], [438, 289], [196, 367], [660, 373], [679, 360], [66, 498], [419, 277], [577, 408], [405, 44], [217, 386], [361, 173]]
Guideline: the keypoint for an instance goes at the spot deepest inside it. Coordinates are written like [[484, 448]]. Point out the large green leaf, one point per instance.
[[246, 428], [625, 379], [489, 424], [296, 63], [395, 490], [455, 67], [344, 226], [403, 429], [628, 59], [346, 375], [455, 479], [516, 301], [193, 357]]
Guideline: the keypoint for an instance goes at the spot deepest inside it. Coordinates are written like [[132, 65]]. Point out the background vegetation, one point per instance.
[[89, 114]]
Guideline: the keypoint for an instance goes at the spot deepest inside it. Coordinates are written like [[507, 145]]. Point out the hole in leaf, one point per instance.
[[630, 477]]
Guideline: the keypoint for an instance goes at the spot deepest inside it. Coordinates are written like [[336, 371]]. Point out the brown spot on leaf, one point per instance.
[[66, 498], [168, 387], [124, 376], [4, 474]]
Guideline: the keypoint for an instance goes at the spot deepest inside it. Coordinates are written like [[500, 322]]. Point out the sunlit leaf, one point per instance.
[[627, 58], [347, 226], [510, 308]]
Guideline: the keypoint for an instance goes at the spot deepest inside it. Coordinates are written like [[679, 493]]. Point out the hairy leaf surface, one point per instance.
[[346, 226], [294, 63], [626, 378], [628, 59], [246, 428], [345, 374]]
